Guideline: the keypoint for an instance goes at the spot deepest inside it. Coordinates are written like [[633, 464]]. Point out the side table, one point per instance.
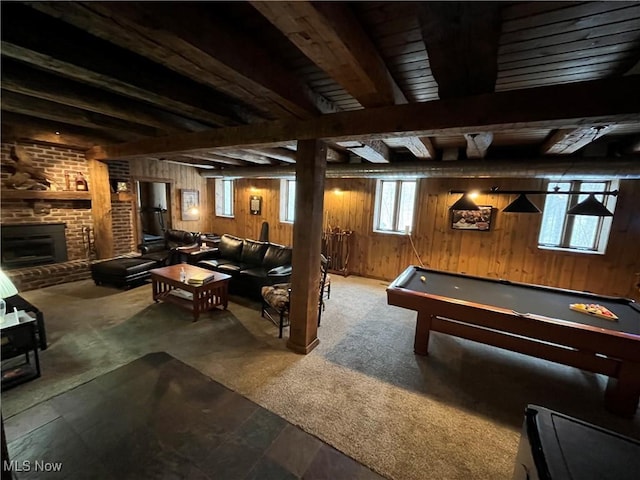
[[18, 332]]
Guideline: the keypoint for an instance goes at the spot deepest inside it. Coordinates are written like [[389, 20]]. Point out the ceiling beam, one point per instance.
[[246, 156], [375, 151], [21, 127], [607, 101], [330, 35], [420, 147], [281, 154], [478, 144], [35, 107], [217, 159], [76, 54], [19, 78], [569, 140], [462, 40], [190, 38], [192, 162]]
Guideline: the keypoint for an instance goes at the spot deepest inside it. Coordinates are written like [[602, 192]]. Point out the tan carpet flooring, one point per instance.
[[455, 414]]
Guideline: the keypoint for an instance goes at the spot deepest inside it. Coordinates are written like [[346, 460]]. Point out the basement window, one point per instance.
[[224, 198], [577, 233], [395, 204], [287, 200]]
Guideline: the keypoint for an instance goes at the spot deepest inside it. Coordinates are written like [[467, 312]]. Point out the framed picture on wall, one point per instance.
[[190, 204], [472, 219]]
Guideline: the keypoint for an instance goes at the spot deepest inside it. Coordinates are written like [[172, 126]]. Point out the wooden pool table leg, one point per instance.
[[423, 327], [623, 393]]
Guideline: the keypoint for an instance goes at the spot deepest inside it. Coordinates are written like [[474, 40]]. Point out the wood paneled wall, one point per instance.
[[180, 177], [509, 250], [246, 225]]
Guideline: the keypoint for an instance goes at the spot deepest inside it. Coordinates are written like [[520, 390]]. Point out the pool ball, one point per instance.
[[423, 279]]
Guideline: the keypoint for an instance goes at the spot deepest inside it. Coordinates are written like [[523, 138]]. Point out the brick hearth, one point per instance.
[[31, 278]]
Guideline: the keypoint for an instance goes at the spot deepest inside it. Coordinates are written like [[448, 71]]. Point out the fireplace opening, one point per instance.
[[31, 244]]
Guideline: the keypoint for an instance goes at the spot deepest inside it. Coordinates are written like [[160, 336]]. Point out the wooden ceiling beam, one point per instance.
[[246, 156], [74, 53], [330, 35], [478, 144], [420, 147], [608, 101], [35, 107], [194, 162], [219, 159], [21, 127], [569, 140], [462, 40], [19, 78], [190, 38], [189, 163], [375, 151], [281, 154]]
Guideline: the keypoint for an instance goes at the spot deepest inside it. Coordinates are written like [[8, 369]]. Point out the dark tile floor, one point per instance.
[[159, 418]]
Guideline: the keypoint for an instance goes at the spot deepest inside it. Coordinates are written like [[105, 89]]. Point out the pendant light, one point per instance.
[[591, 207], [521, 205], [464, 203]]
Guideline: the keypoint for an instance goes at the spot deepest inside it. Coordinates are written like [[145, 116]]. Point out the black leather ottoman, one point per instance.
[[122, 272]]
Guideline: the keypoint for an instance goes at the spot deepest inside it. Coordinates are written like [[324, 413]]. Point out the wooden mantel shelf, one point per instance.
[[43, 195]]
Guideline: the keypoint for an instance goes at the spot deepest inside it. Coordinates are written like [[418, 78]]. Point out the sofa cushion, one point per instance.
[[257, 272], [215, 263], [276, 255], [230, 247], [253, 252], [230, 267]]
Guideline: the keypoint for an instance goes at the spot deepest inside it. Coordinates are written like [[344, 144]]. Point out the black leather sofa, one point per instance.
[[163, 251], [251, 264]]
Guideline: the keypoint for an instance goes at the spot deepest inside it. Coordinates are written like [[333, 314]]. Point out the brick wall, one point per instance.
[[122, 212], [59, 163], [56, 162]]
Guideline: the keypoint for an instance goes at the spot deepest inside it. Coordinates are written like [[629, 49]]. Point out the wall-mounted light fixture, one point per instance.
[[591, 206]]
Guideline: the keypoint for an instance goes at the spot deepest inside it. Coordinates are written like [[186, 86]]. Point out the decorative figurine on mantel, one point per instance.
[[26, 176]]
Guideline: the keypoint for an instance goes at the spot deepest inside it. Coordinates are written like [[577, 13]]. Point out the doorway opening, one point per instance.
[[154, 210]]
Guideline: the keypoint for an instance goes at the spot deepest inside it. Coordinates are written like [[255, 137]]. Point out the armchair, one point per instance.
[[275, 299], [165, 251]]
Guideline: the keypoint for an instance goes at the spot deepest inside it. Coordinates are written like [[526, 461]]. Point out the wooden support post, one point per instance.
[[311, 166], [101, 208]]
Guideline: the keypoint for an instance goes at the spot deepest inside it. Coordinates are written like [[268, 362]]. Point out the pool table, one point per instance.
[[530, 319]]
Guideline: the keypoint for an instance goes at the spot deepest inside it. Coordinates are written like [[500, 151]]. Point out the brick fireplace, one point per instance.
[[74, 214]]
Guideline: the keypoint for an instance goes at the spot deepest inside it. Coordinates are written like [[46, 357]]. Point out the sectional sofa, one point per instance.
[[251, 264]]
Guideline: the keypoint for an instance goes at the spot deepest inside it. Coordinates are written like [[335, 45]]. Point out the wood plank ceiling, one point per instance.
[[159, 75]]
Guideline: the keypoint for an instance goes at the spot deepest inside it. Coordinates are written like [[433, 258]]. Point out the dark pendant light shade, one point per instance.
[[521, 205], [464, 203], [591, 206]]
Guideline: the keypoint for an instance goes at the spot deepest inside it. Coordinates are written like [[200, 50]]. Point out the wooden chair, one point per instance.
[[275, 299]]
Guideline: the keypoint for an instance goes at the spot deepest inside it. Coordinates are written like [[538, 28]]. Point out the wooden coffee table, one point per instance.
[[167, 287]]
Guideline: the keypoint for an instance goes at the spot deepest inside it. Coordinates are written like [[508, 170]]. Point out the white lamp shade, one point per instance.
[[7, 288]]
